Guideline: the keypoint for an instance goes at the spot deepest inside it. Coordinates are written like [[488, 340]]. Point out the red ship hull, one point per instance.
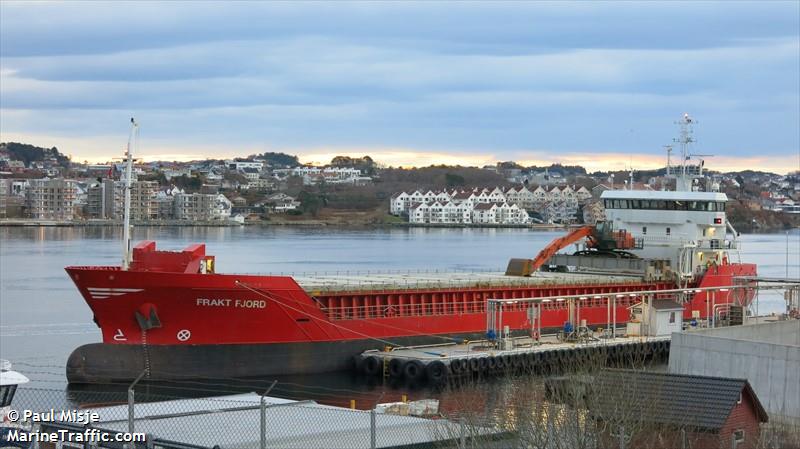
[[168, 317]]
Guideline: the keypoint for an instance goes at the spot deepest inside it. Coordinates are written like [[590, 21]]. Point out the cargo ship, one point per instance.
[[171, 315]]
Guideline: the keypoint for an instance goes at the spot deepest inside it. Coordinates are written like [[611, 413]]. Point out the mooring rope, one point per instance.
[[271, 298]]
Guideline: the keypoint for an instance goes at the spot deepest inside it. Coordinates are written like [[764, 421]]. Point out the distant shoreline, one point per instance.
[[28, 223], [298, 223]]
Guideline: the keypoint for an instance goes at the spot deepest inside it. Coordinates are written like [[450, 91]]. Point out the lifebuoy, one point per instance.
[[536, 335]]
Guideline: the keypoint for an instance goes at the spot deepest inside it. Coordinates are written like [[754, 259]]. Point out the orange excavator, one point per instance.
[[600, 238]]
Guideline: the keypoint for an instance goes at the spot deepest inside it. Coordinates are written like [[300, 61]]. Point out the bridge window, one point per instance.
[[644, 229], [669, 231], [703, 206]]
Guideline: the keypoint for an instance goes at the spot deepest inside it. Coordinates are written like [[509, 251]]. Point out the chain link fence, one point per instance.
[[522, 414], [246, 420]]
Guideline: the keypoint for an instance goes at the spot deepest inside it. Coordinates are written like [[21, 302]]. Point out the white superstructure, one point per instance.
[[686, 226]]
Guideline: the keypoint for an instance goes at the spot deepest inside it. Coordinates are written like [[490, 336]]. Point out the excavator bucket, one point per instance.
[[526, 267], [519, 267]]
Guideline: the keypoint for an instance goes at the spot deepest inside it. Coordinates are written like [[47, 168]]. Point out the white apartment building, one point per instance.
[[436, 212], [241, 165], [557, 205]]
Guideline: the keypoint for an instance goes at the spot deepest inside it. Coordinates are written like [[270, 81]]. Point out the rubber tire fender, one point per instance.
[[456, 366], [474, 365], [413, 370], [483, 363], [396, 368], [371, 366], [509, 360], [436, 371]]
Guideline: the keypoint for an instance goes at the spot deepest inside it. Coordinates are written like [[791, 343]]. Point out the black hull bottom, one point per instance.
[[104, 363]]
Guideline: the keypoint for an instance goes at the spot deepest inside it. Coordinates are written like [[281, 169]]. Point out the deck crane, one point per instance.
[[600, 238]]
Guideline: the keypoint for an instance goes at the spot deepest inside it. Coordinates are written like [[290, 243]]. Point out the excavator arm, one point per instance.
[[525, 267]]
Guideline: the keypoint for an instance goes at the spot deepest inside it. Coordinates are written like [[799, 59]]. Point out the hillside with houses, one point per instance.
[[44, 185]]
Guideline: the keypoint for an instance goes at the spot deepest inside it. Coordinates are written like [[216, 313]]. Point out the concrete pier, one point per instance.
[[438, 363]]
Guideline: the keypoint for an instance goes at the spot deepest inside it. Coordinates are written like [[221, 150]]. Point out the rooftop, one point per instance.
[[673, 399], [663, 195], [234, 422]]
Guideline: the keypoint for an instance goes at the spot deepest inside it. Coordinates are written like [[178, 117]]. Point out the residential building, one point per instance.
[[593, 212], [100, 200], [201, 207], [176, 173], [261, 184], [51, 199], [662, 410], [281, 203], [558, 205], [331, 175], [419, 213], [3, 197], [484, 213], [399, 203], [106, 200], [241, 165], [250, 173]]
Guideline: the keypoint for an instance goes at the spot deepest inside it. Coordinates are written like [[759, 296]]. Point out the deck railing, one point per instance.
[[338, 313]]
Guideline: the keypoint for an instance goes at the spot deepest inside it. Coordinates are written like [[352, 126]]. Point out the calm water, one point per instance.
[[42, 316]]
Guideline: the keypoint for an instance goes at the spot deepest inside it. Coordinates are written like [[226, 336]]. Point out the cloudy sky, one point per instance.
[[591, 83]]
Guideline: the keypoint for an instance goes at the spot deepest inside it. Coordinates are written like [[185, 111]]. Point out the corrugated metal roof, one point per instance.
[[234, 422]]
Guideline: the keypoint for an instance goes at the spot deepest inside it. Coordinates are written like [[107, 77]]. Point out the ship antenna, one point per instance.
[[631, 184], [133, 142], [683, 182], [669, 158]]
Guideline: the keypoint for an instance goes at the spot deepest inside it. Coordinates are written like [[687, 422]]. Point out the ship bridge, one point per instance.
[[688, 228]]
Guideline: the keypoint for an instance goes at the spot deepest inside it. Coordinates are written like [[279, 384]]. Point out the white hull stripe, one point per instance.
[[105, 293]]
